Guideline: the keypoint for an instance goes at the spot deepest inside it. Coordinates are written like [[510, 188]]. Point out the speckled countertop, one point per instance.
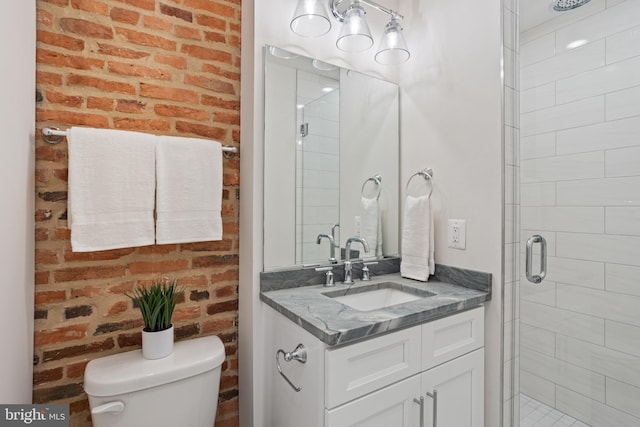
[[335, 323]]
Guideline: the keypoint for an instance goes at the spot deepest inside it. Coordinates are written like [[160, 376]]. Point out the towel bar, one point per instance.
[[55, 135], [377, 179], [427, 174]]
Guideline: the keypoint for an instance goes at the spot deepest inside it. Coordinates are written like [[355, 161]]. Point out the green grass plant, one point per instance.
[[156, 303]]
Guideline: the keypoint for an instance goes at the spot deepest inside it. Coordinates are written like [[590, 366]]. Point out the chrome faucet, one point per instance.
[[332, 246], [347, 257]]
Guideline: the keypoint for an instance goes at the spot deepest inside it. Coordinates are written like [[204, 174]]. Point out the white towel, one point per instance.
[[189, 190], [111, 188], [417, 239], [371, 226]]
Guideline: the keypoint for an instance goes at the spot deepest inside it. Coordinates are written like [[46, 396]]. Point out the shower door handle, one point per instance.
[[538, 278]]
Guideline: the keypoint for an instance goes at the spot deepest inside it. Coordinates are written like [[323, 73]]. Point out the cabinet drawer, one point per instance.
[[451, 337], [361, 368]]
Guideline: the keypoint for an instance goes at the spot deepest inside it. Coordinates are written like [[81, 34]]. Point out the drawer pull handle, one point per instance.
[[434, 396], [299, 354], [421, 403]]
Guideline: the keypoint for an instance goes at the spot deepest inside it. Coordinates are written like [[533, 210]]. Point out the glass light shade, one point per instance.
[[355, 35], [310, 19], [393, 49]]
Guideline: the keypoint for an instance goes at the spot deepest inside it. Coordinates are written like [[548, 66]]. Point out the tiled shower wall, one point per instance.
[[580, 188]]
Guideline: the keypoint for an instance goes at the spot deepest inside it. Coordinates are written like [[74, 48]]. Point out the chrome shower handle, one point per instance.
[[299, 354], [538, 278]]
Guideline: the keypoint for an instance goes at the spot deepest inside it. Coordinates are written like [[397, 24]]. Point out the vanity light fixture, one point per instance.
[[311, 20]]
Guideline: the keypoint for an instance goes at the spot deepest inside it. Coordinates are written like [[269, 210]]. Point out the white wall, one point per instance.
[[17, 110], [451, 121]]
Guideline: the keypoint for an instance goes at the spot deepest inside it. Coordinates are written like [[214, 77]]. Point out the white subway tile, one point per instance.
[[622, 162], [579, 60], [605, 361], [608, 305], [600, 136], [561, 168], [510, 30], [624, 397], [558, 20], [511, 68], [623, 103], [564, 374], [617, 76], [537, 388], [565, 116], [511, 108], [581, 326], [576, 272], [592, 412], [511, 146], [539, 97], [538, 50], [599, 247], [596, 27], [536, 146], [623, 220], [538, 339], [598, 192], [538, 194], [622, 337], [541, 293], [623, 279], [623, 45], [569, 219]]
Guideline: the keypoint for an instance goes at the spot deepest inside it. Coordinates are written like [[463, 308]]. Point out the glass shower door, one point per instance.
[[576, 307]]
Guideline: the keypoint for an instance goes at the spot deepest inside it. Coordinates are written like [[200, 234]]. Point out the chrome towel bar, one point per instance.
[[427, 174]]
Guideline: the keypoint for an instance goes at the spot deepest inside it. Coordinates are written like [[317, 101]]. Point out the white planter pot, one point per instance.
[[156, 345]]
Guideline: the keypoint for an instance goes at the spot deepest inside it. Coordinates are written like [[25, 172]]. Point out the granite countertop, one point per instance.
[[335, 323]]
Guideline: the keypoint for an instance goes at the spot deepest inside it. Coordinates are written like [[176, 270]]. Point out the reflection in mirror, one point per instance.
[[331, 162]]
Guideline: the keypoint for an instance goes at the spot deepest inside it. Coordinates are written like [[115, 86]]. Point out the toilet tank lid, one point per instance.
[[129, 372]]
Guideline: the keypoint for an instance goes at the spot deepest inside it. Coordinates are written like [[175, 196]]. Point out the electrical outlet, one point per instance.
[[457, 233]]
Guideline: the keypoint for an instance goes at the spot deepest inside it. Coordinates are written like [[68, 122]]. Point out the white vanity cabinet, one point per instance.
[[379, 381]]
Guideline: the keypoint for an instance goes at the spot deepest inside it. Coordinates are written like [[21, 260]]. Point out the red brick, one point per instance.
[[229, 118], [157, 23], [206, 53], [117, 308], [217, 8], [138, 71], [216, 101], [218, 71], [226, 291], [87, 273], [212, 84], [140, 124], [142, 4], [44, 77], [212, 22], [46, 376], [212, 132], [58, 335], [122, 52], [218, 324], [44, 18], [143, 267], [178, 62], [92, 6], [87, 291], [55, 97], [76, 370], [102, 84], [46, 256], [157, 249], [61, 174], [41, 278], [185, 15], [146, 39], [86, 28], [121, 288], [188, 33], [58, 2], [225, 276], [57, 59], [212, 36], [57, 393], [45, 297], [99, 103], [130, 106], [124, 15], [41, 234], [171, 93], [60, 40], [185, 313], [177, 111], [78, 350], [231, 179], [72, 118], [62, 234], [97, 256]]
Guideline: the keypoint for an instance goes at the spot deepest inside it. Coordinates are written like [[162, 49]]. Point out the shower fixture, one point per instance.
[[564, 5], [311, 19]]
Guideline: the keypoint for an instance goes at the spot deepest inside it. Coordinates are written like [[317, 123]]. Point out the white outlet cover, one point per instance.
[[457, 234]]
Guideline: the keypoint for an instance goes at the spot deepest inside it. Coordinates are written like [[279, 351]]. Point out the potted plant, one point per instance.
[[156, 303]]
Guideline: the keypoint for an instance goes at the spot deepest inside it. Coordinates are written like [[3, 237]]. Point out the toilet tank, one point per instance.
[[126, 390]]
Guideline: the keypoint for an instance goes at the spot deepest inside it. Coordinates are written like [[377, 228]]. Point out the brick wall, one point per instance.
[[160, 66]]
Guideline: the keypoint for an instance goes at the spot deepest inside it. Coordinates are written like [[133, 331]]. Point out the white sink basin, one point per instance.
[[377, 296]]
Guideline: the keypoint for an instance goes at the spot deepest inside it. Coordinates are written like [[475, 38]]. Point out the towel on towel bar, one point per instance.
[[417, 239], [371, 226], [111, 189], [189, 190]]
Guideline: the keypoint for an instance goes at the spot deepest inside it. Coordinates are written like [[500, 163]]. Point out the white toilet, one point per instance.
[[126, 390]]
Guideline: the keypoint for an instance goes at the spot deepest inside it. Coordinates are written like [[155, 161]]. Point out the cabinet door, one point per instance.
[[460, 392], [391, 406]]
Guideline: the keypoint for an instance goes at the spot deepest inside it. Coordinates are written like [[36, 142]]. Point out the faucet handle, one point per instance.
[[366, 274], [328, 279]]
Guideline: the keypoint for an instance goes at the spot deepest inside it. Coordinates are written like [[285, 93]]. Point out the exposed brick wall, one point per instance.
[[160, 66]]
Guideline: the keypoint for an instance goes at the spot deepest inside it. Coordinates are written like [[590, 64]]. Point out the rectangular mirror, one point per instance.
[[331, 166]]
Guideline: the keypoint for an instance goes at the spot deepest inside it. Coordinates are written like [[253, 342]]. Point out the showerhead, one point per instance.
[[564, 5]]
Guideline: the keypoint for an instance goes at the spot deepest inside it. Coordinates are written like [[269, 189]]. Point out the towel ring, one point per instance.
[[427, 174], [378, 181]]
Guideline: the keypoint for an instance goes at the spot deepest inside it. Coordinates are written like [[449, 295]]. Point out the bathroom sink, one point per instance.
[[377, 296]]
